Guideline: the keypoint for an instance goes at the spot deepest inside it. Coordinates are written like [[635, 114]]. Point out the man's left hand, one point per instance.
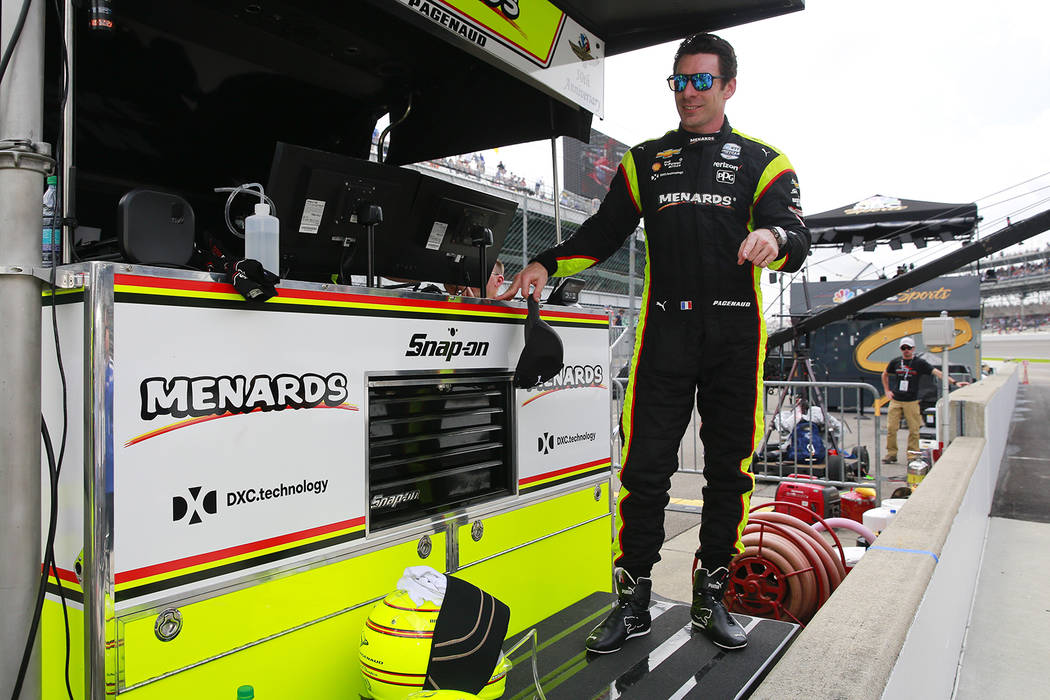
[[759, 248]]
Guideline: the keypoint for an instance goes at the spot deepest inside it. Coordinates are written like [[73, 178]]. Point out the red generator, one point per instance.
[[854, 504], [822, 500]]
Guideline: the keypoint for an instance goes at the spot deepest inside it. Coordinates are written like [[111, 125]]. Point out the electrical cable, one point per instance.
[[380, 155], [55, 469], [48, 555], [248, 187], [15, 35]]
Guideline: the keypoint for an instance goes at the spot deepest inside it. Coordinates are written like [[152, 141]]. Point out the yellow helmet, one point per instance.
[[395, 652]]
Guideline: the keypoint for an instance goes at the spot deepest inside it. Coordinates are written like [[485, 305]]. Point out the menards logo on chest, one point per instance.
[[718, 200]]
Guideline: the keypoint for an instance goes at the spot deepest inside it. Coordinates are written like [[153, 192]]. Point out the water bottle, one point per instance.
[[52, 228], [262, 238]]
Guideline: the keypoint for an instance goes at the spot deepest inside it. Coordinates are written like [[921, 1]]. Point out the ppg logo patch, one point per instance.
[[200, 504]]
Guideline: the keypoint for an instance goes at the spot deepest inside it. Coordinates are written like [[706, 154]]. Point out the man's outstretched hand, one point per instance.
[[530, 280]]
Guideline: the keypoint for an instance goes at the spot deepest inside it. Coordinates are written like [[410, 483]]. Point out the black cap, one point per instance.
[[542, 356]]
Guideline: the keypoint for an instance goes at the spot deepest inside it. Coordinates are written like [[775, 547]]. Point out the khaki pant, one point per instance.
[[910, 410]]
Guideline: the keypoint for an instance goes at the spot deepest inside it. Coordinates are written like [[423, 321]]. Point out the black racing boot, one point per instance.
[[630, 617], [709, 613]]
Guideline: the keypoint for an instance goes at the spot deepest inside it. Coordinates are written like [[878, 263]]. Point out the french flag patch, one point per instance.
[[686, 306]]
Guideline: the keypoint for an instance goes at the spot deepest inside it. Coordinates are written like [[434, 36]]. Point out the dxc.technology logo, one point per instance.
[[206, 504], [546, 443]]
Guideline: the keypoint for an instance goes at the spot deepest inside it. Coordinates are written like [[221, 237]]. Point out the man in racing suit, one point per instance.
[[719, 206]]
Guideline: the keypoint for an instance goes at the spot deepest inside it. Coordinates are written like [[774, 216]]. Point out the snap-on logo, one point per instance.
[[394, 500], [207, 396], [420, 346]]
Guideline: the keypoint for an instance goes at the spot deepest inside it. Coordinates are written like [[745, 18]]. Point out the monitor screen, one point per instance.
[[426, 233]]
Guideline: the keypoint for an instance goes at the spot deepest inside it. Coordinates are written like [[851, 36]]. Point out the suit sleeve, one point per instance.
[[602, 234], [777, 202]]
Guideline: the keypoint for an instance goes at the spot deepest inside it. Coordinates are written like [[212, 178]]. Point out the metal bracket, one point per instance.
[[23, 153], [64, 279]]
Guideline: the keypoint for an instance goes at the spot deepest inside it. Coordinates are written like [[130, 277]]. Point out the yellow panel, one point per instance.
[[225, 622], [538, 580], [318, 662], [53, 650], [502, 532]]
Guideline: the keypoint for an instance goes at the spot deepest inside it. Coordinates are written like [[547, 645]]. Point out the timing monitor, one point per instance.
[[428, 228], [453, 221], [318, 196]]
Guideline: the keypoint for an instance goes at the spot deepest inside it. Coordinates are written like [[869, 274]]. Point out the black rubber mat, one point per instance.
[[671, 662], [1023, 488]]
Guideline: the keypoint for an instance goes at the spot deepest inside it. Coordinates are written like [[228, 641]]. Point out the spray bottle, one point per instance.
[[262, 238]]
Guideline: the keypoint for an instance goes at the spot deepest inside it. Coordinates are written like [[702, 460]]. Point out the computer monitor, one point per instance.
[[427, 228], [318, 196], [452, 218]]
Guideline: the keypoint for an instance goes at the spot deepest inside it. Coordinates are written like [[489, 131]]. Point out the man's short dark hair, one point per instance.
[[709, 43]]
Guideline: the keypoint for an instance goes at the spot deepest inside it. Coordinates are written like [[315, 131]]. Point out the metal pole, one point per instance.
[[524, 232], [942, 409], [67, 138], [23, 162], [557, 190]]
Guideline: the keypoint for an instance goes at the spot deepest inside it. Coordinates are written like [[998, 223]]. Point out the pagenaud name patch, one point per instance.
[[455, 24], [215, 396]]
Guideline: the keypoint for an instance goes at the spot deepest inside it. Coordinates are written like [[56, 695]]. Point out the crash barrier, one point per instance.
[[800, 437], [895, 626]]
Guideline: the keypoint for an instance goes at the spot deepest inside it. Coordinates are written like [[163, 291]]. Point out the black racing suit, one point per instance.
[[701, 333]]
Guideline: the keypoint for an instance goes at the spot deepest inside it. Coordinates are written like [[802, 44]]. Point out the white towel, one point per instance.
[[423, 583]]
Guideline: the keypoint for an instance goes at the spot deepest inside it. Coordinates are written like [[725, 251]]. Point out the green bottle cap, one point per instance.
[[246, 692], [52, 179]]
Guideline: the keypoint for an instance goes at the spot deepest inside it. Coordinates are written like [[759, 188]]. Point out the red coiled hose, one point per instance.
[[787, 569]]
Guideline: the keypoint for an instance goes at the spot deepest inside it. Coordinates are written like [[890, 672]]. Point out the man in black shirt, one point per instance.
[[904, 398]]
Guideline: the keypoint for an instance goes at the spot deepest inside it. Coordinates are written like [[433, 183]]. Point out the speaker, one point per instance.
[[155, 228]]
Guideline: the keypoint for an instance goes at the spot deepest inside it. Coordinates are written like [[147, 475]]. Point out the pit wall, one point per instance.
[[895, 627]]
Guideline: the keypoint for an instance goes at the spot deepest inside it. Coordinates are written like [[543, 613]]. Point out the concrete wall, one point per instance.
[[895, 626]]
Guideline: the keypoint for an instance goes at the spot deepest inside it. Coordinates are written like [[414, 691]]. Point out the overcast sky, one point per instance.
[[934, 100]]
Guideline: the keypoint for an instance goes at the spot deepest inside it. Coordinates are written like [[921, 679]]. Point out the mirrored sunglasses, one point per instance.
[[700, 81]]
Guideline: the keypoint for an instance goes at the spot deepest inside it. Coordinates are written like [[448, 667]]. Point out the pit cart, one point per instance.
[[257, 475]]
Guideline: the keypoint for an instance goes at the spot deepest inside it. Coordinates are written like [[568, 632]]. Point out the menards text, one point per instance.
[[205, 396]]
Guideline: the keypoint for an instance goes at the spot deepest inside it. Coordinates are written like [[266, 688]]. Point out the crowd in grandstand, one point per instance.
[[473, 165], [1010, 324], [1032, 267]]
